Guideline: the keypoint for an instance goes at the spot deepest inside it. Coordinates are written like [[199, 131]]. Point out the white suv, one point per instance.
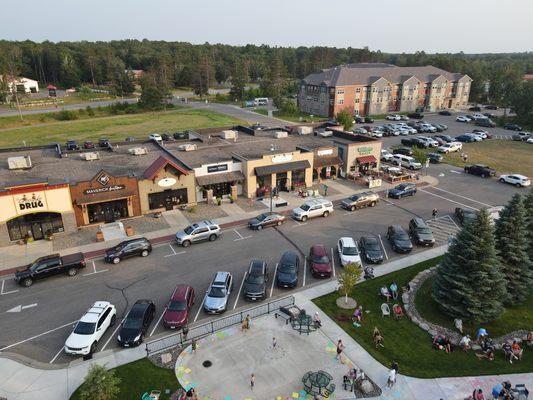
[[90, 328], [348, 251], [313, 208], [515, 179], [450, 147]]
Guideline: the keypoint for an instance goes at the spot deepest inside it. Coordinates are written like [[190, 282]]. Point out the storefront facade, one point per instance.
[[35, 212], [105, 198], [326, 163], [166, 186], [285, 171], [359, 158], [219, 180]]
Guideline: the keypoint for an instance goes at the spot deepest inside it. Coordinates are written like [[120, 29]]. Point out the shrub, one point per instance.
[[90, 111], [193, 209], [66, 115]]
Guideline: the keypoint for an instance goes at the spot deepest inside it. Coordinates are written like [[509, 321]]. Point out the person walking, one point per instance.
[[193, 346], [392, 378], [340, 348], [394, 365], [252, 381], [274, 343], [434, 213]]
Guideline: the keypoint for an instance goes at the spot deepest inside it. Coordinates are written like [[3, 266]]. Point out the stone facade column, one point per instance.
[[289, 180], [209, 196], [234, 191]]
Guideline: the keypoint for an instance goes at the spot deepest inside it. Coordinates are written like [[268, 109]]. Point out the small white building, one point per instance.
[[23, 84]]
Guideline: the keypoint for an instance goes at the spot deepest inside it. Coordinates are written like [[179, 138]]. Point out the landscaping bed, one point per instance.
[[410, 345]]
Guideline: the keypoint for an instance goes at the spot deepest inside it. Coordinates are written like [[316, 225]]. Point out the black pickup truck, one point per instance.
[[47, 266]]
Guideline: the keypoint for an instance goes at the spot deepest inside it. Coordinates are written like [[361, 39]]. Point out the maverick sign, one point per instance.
[[30, 201], [105, 189]]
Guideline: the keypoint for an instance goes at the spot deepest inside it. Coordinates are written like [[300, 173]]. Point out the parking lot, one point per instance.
[[36, 321]]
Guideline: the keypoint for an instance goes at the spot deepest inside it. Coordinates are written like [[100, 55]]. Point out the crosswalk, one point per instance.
[[442, 227], [502, 137]]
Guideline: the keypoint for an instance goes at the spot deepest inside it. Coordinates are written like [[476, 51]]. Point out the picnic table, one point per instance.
[[318, 382]]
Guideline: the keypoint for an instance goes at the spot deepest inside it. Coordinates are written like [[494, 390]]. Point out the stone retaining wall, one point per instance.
[[408, 299]]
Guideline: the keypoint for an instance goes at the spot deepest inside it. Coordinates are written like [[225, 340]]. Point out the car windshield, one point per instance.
[[424, 230], [255, 279], [305, 207], [85, 328], [401, 235], [372, 245], [354, 198], [287, 268], [349, 251], [400, 187], [217, 291], [262, 217], [321, 259], [132, 323], [188, 230], [176, 305]]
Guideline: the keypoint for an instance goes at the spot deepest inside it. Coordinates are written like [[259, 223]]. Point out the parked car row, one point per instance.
[[419, 233]]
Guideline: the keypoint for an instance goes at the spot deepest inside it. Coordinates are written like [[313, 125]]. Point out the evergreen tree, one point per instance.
[[468, 283], [238, 83], [511, 244], [152, 96], [528, 205], [100, 384]]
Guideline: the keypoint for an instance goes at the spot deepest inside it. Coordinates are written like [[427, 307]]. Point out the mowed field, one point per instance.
[[114, 127]]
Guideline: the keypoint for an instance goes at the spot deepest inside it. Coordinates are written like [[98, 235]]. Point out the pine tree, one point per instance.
[[238, 83], [528, 205], [511, 245], [468, 283]]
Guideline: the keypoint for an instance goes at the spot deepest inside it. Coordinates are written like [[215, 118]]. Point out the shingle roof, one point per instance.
[[366, 74]]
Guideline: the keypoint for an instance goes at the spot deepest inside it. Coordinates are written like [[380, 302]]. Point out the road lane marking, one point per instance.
[[333, 261], [157, 323], [383, 246], [110, 337], [2, 290], [464, 197], [20, 307], [305, 270], [450, 200], [37, 336], [95, 271], [201, 307], [175, 254], [273, 280], [239, 292], [455, 172], [240, 237], [451, 219], [298, 222], [172, 248], [238, 234], [57, 355]]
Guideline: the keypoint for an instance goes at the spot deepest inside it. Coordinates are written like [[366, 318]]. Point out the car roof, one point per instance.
[[289, 256], [370, 239], [319, 250], [206, 222], [256, 266], [347, 241], [95, 311], [138, 309], [419, 221], [220, 277], [397, 228], [519, 176], [179, 292]]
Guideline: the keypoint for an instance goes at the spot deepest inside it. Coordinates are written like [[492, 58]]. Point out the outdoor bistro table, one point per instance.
[[303, 323], [316, 382]]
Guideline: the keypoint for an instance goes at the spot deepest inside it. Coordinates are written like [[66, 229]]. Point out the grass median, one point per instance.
[[410, 345], [115, 127]]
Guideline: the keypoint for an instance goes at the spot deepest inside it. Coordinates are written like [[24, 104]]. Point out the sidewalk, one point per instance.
[[14, 256]]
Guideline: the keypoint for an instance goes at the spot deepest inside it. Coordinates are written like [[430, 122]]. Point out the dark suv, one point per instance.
[[480, 169], [399, 239], [72, 145], [287, 272], [360, 200], [485, 122], [512, 127], [406, 151], [256, 281], [129, 248], [420, 232], [135, 325]]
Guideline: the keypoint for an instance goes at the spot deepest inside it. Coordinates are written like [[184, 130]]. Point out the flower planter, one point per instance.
[[130, 231]]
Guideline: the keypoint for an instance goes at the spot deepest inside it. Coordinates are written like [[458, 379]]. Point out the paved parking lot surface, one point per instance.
[[36, 321]]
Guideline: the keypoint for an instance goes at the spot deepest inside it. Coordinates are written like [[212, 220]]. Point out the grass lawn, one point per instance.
[[408, 344], [505, 156], [299, 117], [520, 317], [115, 127], [139, 377]]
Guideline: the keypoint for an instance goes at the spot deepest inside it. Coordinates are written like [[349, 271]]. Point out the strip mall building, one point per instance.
[[49, 191]]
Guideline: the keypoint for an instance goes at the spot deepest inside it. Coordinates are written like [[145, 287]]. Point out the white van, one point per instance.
[[261, 101], [313, 208], [406, 161]]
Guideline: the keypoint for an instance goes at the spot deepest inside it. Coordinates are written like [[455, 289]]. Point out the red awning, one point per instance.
[[366, 160], [51, 87]]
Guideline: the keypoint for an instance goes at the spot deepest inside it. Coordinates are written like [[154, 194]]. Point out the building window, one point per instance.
[[358, 90], [315, 98], [340, 101], [340, 91], [356, 101]]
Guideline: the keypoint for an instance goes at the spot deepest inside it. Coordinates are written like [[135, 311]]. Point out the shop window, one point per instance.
[[38, 226]]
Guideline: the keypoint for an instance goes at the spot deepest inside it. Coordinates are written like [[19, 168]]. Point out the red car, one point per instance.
[[176, 313], [319, 260]]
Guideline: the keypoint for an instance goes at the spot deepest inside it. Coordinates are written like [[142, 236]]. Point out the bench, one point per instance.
[[287, 313]]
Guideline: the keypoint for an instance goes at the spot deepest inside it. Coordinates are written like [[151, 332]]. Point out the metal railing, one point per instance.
[[199, 331]]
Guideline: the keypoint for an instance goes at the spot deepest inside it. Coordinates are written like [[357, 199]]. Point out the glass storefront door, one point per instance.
[[36, 225], [167, 199], [281, 181], [108, 211]]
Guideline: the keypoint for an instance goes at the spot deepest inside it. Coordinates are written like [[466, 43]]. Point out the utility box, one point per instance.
[[19, 162]]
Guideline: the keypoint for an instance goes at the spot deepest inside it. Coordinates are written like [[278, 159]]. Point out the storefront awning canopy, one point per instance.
[[276, 168], [101, 197], [213, 179], [366, 160], [326, 161]]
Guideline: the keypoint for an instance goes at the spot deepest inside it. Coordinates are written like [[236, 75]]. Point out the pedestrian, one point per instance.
[[340, 348], [434, 213], [317, 321], [193, 346], [392, 378], [248, 320], [325, 190], [274, 343], [450, 239], [185, 332], [252, 381], [458, 322], [394, 365]]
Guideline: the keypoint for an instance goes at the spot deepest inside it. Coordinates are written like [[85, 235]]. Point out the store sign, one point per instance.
[[280, 158], [112, 188], [30, 201], [166, 182], [217, 168], [372, 183], [364, 150], [103, 178], [327, 152]]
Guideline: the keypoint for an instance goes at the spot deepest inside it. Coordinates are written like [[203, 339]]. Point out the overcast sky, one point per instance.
[[472, 26]]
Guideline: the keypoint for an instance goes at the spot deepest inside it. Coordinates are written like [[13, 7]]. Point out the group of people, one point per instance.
[[390, 292], [442, 342]]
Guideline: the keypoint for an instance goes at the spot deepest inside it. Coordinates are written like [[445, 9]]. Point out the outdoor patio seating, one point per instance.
[[385, 310]]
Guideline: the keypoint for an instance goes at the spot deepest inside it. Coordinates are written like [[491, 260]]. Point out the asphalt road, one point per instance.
[[39, 331]]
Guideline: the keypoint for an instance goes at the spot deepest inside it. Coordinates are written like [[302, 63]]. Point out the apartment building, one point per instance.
[[378, 88]]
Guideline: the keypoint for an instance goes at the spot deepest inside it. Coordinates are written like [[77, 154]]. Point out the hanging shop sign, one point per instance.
[[166, 182], [105, 189], [280, 158], [364, 150], [35, 201], [217, 168]]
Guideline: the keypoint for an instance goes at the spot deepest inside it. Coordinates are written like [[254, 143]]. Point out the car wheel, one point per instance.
[[113, 320], [518, 185], [27, 282], [502, 180], [483, 175], [144, 253], [186, 243], [259, 227], [72, 271], [326, 213], [93, 348], [279, 223], [116, 260], [304, 218], [411, 167], [373, 204], [213, 237], [352, 208]]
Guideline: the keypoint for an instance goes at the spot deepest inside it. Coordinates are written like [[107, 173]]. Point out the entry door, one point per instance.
[[281, 181], [37, 231], [109, 215], [168, 202]]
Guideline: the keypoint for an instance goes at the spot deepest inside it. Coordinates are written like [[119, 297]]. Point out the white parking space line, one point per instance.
[[456, 172], [9, 292], [95, 271], [38, 336], [383, 246], [201, 307], [57, 355], [273, 280], [305, 271], [157, 323], [333, 261], [464, 197], [450, 200], [111, 337], [451, 219], [240, 237], [239, 292], [174, 252], [298, 222]]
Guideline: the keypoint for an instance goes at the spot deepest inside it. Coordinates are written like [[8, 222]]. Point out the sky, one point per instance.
[[435, 26]]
